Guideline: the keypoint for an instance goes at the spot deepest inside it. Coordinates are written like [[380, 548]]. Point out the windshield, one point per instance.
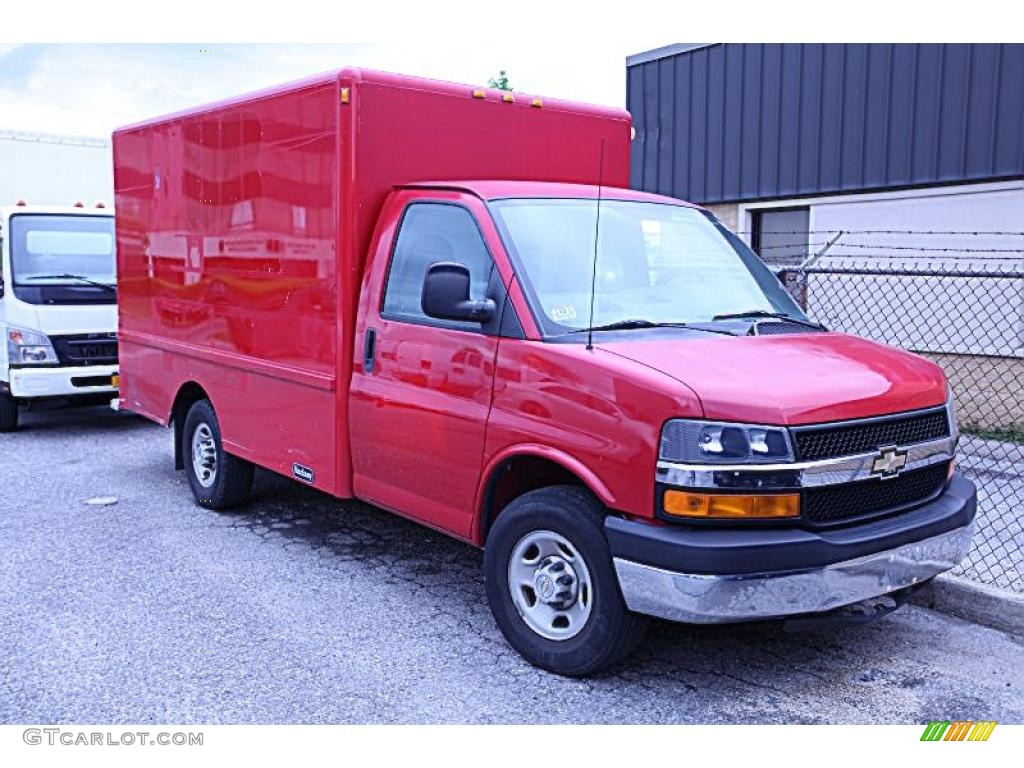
[[655, 262], [49, 249]]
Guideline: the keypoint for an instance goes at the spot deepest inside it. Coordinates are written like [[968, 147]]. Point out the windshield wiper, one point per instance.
[[636, 323], [80, 278], [623, 325], [759, 313]]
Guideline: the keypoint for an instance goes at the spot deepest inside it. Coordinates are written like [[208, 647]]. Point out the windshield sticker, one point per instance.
[[563, 312]]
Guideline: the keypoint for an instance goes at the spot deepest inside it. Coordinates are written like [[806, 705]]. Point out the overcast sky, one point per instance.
[[89, 90]]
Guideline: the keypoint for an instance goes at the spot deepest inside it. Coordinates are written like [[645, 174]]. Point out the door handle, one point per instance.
[[369, 349]]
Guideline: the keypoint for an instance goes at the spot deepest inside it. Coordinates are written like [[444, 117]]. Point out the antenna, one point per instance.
[[597, 233]]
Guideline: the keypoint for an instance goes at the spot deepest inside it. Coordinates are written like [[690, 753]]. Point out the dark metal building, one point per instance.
[[737, 122]]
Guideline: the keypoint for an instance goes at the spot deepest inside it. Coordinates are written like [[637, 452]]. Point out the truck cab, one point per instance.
[[615, 397], [58, 307]]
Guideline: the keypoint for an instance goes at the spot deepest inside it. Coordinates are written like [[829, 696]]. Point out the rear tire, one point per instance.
[[556, 536], [8, 413], [218, 479]]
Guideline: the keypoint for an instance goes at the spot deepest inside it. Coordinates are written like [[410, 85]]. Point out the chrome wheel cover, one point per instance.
[[204, 455], [550, 585]]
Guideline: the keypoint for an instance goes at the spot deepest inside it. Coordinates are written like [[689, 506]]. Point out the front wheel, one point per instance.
[[218, 479], [551, 584], [8, 413]]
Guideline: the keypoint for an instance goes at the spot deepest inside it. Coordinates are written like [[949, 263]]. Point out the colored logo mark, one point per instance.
[[958, 730]]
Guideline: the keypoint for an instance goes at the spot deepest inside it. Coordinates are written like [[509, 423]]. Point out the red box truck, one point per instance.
[[444, 301]]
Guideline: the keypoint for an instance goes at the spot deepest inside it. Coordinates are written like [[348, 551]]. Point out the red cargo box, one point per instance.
[[243, 227]]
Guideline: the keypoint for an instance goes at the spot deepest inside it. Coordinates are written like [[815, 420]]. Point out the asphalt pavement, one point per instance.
[[300, 608]]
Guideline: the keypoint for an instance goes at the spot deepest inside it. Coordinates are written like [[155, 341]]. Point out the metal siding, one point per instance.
[[698, 150], [667, 119], [809, 138], [1009, 149], [789, 119], [771, 88], [953, 115], [751, 115], [878, 96], [925, 151], [681, 160], [902, 96], [981, 113], [854, 109], [830, 152], [714, 168], [634, 103], [732, 140], [756, 121], [652, 130]]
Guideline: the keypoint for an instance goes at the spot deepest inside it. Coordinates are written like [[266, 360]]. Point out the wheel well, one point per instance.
[[189, 394], [515, 476]]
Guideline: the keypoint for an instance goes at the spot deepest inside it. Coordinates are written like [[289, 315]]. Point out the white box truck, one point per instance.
[[58, 296]]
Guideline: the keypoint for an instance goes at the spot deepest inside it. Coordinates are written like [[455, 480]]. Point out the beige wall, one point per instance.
[[727, 213], [989, 390]]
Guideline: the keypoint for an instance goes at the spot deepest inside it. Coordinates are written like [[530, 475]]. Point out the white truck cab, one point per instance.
[[58, 306]]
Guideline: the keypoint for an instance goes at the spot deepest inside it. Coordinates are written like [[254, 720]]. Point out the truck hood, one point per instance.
[[61, 320], [789, 380]]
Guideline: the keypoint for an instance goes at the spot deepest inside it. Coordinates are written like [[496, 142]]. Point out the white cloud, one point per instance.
[[90, 90]]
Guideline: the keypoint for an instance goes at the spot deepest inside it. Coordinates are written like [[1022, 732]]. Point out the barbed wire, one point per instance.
[[1017, 261], [1006, 233], [886, 246]]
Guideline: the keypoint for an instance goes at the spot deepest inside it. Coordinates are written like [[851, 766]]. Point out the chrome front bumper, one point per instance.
[[714, 599]]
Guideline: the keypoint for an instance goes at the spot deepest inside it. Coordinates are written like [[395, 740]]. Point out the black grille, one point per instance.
[[779, 328], [864, 437], [85, 349], [864, 498]]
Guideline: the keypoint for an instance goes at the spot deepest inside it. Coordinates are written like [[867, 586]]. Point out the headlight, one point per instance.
[[713, 442], [29, 348]]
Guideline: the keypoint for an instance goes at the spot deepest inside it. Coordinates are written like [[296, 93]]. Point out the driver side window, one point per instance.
[[431, 233]]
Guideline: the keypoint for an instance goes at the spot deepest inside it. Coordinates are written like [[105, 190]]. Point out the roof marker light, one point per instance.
[[537, 103], [21, 203], [79, 204], [478, 93], [100, 204], [508, 98]]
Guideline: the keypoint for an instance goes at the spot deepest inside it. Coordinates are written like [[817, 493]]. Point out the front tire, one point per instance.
[[218, 479], [8, 413], [552, 586]]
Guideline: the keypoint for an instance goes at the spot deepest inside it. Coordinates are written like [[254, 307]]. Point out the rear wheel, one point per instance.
[[551, 584], [218, 479], [8, 413]]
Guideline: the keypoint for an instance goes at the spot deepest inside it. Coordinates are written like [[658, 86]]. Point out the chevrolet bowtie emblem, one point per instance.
[[889, 462]]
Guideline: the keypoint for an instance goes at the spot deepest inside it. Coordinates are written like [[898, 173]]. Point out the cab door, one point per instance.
[[421, 387]]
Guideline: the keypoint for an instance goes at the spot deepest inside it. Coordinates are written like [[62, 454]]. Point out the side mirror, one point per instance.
[[446, 295]]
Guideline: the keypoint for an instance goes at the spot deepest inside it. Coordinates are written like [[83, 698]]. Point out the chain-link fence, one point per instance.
[[963, 307]]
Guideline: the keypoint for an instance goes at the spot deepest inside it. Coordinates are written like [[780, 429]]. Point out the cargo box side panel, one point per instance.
[[228, 272]]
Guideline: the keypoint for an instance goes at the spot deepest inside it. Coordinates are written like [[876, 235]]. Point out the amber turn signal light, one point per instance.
[[721, 505]]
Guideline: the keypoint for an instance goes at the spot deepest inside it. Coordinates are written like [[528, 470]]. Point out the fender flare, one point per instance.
[[568, 462]]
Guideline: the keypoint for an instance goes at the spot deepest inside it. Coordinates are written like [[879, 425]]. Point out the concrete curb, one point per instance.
[[978, 603]]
